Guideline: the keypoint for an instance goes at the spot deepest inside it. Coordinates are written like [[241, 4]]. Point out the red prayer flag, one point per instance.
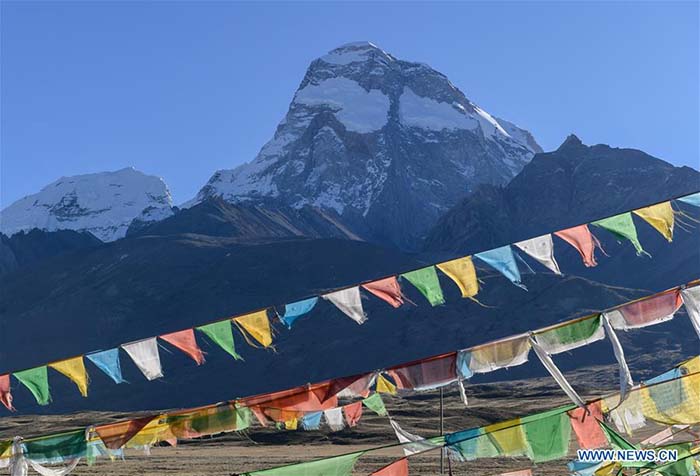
[[116, 435], [387, 289], [353, 413], [581, 238], [397, 468], [641, 313], [435, 371], [588, 432], [186, 342], [5, 395]]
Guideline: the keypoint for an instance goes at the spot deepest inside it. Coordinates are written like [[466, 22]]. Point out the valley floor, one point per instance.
[[261, 448]]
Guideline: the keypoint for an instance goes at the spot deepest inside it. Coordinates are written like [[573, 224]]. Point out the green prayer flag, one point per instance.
[[427, 282], [37, 381], [335, 466], [243, 418], [571, 336], [615, 439], [622, 226], [221, 334], [683, 466], [57, 448], [548, 435], [375, 403]]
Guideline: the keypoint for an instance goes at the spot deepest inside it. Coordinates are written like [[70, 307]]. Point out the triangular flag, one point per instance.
[[334, 466], [387, 289], [541, 249], [660, 216], [222, 335], [397, 468], [691, 300], [334, 418], [503, 261], [616, 441], [463, 273], [384, 386], [295, 310], [622, 226], [353, 413], [145, 355], [37, 381], [74, 369], [5, 394], [375, 403], [257, 325], [692, 199], [411, 444], [116, 435], [581, 238], [349, 302], [186, 342], [108, 362], [427, 282]]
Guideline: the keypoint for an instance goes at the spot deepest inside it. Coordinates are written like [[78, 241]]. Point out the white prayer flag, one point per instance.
[[541, 249], [350, 302], [691, 299], [145, 355]]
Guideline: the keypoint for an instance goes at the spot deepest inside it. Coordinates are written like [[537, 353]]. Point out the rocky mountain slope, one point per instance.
[[103, 204], [577, 184], [387, 144]]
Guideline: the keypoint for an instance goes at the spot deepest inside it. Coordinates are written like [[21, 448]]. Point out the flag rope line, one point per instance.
[[231, 318]]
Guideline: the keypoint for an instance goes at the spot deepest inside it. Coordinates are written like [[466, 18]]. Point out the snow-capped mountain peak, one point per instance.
[[380, 140], [102, 203]]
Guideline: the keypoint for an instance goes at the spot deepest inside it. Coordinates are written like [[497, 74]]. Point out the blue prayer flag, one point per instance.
[[297, 309], [311, 421], [503, 260], [108, 362]]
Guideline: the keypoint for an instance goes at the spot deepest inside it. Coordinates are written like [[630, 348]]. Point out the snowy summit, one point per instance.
[[102, 203], [387, 144]]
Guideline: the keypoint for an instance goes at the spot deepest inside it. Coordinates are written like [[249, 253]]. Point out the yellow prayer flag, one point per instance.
[[384, 386], [156, 431], [508, 436], [660, 216], [74, 369], [291, 424], [257, 325], [462, 272]]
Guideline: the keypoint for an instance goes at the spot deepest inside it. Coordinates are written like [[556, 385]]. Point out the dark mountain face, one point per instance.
[[247, 222], [27, 248], [577, 184], [149, 285]]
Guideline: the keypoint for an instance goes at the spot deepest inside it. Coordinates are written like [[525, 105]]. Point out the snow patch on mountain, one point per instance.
[[102, 203], [358, 109], [427, 113]]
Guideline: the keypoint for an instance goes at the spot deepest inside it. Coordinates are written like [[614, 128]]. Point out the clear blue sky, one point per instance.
[[184, 88]]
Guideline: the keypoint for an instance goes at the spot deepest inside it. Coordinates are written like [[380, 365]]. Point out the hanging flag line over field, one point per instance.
[[289, 407], [257, 329], [671, 398]]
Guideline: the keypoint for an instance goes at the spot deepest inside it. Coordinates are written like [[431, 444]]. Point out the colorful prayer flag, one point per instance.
[[571, 336], [691, 300], [108, 362], [349, 302], [427, 282], [387, 289], [37, 381], [503, 261], [385, 386], [622, 226], [222, 335], [499, 354], [257, 324], [397, 468], [145, 355], [660, 216], [463, 273], [547, 435], [508, 437], [375, 403], [295, 310], [581, 238], [74, 369], [5, 393], [186, 342], [353, 413], [336, 466], [646, 312], [334, 418], [693, 199], [541, 249], [584, 422]]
